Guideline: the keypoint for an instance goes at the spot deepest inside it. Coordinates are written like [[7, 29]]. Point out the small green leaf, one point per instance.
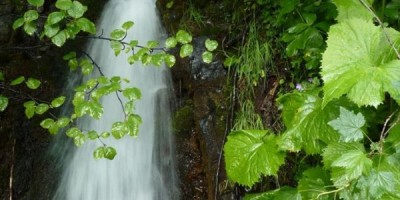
[[186, 50], [63, 122], [110, 153], [133, 43], [105, 135], [211, 45], [86, 66], [73, 132], [30, 28], [36, 3], [183, 37], [60, 38], [171, 42], [57, 102], [132, 93], [73, 64], [86, 25], [3, 103], [133, 123], [170, 60], [254, 152], [55, 17], [117, 47], [32, 83], [117, 34], [230, 61], [41, 108], [76, 10], [127, 25], [92, 135], [349, 125], [31, 15], [99, 152], [29, 109], [51, 30], [79, 140], [152, 44], [18, 23], [169, 4], [95, 110], [47, 123], [64, 4], [207, 57], [18, 80], [69, 55], [119, 130]]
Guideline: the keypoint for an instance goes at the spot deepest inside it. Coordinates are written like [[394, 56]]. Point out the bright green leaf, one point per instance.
[[186, 50], [64, 4], [250, 154], [69, 55], [3, 103], [86, 25], [95, 110], [133, 43], [211, 45], [47, 123], [31, 15], [36, 3], [51, 30], [117, 34], [117, 47], [170, 60], [99, 152], [119, 130], [18, 23], [57, 102], [152, 44], [314, 182], [127, 25], [92, 135], [18, 80], [110, 153], [86, 66], [29, 109], [283, 193], [63, 122], [348, 9], [30, 28], [41, 108], [105, 135], [133, 121], [171, 42], [183, 37], [76, 10], [359, 62], [79, 140], [207, 57], [230, 61], [349, 125], [55, 17], [32, 83], [73, 132], [132, 93], [73, 64]]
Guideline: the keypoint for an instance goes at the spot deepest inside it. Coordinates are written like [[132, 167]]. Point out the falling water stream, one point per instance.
[[144, 166]]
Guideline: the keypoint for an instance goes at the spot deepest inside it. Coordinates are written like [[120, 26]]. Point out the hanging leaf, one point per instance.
[[132, 93], [99, 152], [57, 102], [133, 121], [171, 42], [31, 15], [60, 39], [117, 34], [349, 125], [41, 108], [32, 83], [127, 25], [55, 17], [366, 70], [110, 153], [63, 122], [76, 10], [304, 117], [3, 103], [47, 123], [211, 45], [29, 109], [314, 182], [86, 25], [250, 154], [64, 4], [119, 130], [18, 23], [73, 132], [117, 47], [86, 66], [170, 60], [92, 135], [51, 30], [79, 140]]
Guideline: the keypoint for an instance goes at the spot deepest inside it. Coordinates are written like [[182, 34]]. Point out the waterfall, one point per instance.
[[144, 166]]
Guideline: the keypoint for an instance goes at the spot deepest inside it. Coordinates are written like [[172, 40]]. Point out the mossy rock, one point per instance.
[[183, 119]]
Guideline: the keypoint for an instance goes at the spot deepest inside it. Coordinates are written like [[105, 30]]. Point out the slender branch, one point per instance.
[[12, 169], [332, 191], [382, 26], [91, 59], [384, 132], [122, 104]]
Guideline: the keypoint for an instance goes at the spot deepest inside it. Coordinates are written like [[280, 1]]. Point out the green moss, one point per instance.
[[183, 119]]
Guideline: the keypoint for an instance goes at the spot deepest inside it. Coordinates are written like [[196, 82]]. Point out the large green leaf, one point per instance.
[[86, 25], [360, 62], [348, 161], [76, 10], [314, 182], [349, 125], [31, 15], [307, 122], [348, 9], [250, 154]]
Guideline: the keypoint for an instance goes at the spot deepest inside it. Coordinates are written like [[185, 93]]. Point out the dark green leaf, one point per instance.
[[32, 83], [3, 103], [18, 80], [110, 153], [60, 38], [250, 154], [36, 3]]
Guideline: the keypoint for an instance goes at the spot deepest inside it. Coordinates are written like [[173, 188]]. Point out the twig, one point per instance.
[[12, 169], [383, 28], [94, 63]]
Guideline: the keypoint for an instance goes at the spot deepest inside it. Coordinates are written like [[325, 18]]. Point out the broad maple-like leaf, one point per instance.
[[360, 62], [314, 182], [250, 154], [352, 9], [307, 122], [282, 193], [349, 125]]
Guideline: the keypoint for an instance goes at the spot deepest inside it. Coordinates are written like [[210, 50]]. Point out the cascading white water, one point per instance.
[[143, 168]]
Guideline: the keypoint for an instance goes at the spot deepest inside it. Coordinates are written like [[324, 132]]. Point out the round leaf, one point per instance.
[[99, 152], [63, 122], [73, 132], [183, 37], [92, 135], [57, 102], [110, 153], [171, 42], [55, 17], [31, 15], [64, 4], [211, 45], [51, 30], [132, 93], [170, 60], [127, 25], [117, 34], [41, 108], [3, 103], [60, 38], [79, 140], [186, 50], [30, 28], [32, 83], [207, 57]]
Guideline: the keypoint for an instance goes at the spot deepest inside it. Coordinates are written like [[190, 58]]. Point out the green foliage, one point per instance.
[[349, 125], [3, 103], [254, 152]]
